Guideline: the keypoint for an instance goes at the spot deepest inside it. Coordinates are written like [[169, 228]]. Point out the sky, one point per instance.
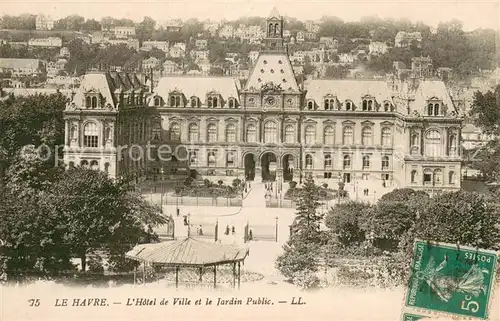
[[473, 13]]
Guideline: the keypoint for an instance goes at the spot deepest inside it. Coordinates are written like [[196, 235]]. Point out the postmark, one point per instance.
[[452, 279]]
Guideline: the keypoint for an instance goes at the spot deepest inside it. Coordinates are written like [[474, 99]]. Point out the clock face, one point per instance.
[[270, 101]]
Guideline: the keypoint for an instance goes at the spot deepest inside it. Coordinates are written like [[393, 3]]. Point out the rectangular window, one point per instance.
[[427, 178]]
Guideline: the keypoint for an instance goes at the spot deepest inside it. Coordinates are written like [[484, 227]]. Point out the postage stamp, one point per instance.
[[451, 279]]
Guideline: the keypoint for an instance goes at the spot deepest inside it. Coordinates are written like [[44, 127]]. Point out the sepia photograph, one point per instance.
[[249, 160]]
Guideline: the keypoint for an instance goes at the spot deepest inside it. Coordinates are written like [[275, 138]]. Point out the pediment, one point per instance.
[[367, 123], [348, 122], [194, 118], [290, 120], [387, 123], [329, 122], [434, 98], [330, 96], [367, 96], [92, 91], [175, 118], [310, 121], [212, 119], [231, 119], [252, 120], [213, 92]]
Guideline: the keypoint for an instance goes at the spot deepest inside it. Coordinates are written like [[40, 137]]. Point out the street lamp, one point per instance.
[[189, 223], [161, 188]]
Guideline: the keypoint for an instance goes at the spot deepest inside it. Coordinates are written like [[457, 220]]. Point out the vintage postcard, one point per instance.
[[249, 160]]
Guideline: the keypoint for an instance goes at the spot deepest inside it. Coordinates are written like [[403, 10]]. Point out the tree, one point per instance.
[[345, 222], [336, 72], [467, 218], [98, 213], [394, 214], [145, 29], [485, 111], [32, 120], [306, 238]]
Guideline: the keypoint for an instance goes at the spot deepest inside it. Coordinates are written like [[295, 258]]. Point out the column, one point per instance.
[[282, 127], [243, 137], [446, 142], [261, 128], [67, 132]]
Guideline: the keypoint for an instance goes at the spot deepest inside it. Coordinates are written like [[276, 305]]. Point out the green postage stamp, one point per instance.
[[451, 279], [412, 317]]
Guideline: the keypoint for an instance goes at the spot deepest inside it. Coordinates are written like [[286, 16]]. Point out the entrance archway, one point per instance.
[[269, 166], [288, 167], [249, 162]]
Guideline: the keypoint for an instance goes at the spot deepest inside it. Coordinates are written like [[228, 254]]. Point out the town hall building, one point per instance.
[[269, 128]]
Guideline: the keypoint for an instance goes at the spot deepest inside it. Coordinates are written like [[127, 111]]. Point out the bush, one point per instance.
[[207, 182], [236, 182], [325, 185], [188, 181], [220, 182], [178, 190], [306, 280], [341, 186], [293, 184]]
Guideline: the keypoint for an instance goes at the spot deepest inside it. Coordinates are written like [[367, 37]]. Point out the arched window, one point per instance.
[[107, 134], [214, 102], [210, 101], [231, 103], [84, 164], [386, 136], [194, 102], [71, 164], [436, 109], [366, 136], [211, 159], [348, 136], [413, 176], [175, 131], [452, 177], [157, 132], [365, 105], [157, 101], [347, 162], [329, 136], [94, 102], [438, 177], [366, 162], [106, 167], [328, 161], [433, 143], [276, 29], [332, 104], [370, 103], [310, 134], [212, 133], [172, 101], [453, 145], [251, 133], [327, 104], [88, 102], [310, 105], [94, 165], [177, 101], [309, 161], [91, 135], [230, 133], [348, 105], [289, 134], [387, 107], [194, 133], [385, 162], [270, 132], [271, 29]]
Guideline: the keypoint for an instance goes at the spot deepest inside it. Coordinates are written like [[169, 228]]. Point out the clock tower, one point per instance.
[[274, 32]]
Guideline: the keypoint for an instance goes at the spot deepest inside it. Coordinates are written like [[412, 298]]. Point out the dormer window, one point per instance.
[[310, 105], [91, 101], [195, 102], [232, 103], [387, 106], [368, 104], [329, 103], [348, 105], [434, 109], [176, 100], [213, 101], [158, 101]]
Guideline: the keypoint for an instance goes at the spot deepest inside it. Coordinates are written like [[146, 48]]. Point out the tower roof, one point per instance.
[[274, 14]]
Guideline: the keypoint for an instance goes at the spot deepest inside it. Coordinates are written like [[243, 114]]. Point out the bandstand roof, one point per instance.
[[187, 252]]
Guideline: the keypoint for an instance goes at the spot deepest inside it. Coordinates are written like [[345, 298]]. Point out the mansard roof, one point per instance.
[[353, 90], [193, 86], [431, 89], [275, 68]]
